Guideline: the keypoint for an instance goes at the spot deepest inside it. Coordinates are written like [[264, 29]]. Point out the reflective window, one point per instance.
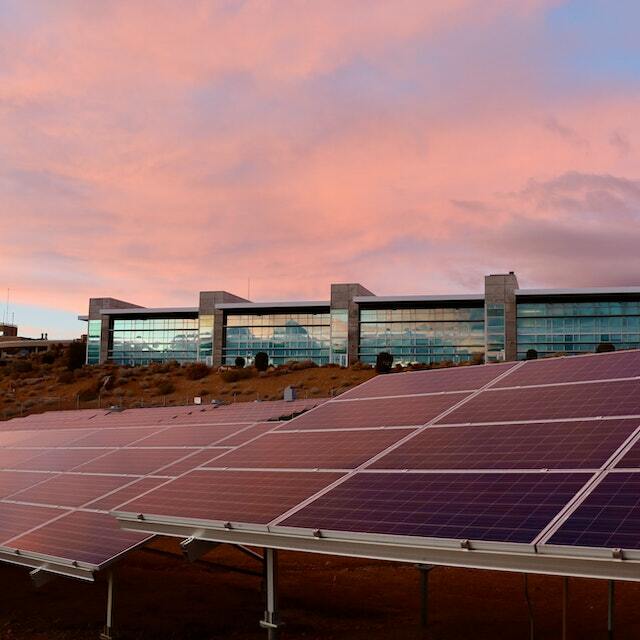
[[422, 335], [577, 327], [284, 336], [495, 331], [94, 332], [205, 338], [146, 340]]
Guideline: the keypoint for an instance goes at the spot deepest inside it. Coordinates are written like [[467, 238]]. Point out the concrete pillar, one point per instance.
[[499, 289], [342, 298], [208, 302]]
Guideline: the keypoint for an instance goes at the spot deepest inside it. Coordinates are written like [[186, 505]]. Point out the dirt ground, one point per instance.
[[164, 597]]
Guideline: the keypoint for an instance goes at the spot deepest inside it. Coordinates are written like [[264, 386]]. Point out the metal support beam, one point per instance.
[[107, 633], [611, 608], [565, 605], [271, 620], [40, 577], [193, 549], [424, 593], [527, 597], [249, 552]]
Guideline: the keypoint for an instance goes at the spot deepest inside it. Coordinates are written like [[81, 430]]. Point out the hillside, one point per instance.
[[50, 382]]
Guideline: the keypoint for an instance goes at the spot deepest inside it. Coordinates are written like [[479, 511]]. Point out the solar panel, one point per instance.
[[554, 402], [499, 507], [379, 412], [134, 489], [552, 445], [115, 437], [70, 490], [198, 458], [12, 481], [247, 434], [133, 461], [15, 519], [188, 436], [608, 517], [93, 538], [60, 459], [232, 496], [311, 449], [431, 381], [631, 459], [620, 364]]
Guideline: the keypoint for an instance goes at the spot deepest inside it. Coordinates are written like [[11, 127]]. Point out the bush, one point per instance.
[[76, 355], [48, 357], [233, 375], [22, 366], [197, 371], [66, 377], [90, 391], [240, 362], [166, 388], [384, 362], [261, 361], [303, 364], [605, 347], [532, 354]]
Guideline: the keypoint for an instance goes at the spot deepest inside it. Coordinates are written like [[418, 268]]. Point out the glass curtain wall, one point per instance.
[[284, 336], [495, 331], [577, 327], [147, 340], [205, 350], [425, 335], [94, 334]]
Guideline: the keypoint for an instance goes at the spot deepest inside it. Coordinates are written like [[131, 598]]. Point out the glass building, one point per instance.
[[502, 323]]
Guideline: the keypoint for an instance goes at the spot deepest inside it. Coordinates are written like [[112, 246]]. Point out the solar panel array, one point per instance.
[[62, 472], [538, 453]]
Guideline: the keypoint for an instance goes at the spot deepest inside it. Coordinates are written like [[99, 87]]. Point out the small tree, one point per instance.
[[605, 347], [384, 362], [76, 355], [240, 362], [261, 361], [532, 354]]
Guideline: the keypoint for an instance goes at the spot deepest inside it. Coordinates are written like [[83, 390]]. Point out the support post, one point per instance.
[[532, 629], [107, 633], [424, 593], [565, 604], [271, 620], [611, 608]]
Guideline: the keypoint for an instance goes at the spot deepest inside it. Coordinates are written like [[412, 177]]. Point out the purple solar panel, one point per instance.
[[60, 459], [15, 519], [13, 458], [603, 366], [621, 398], [631, 459], [311, 449], [608, 517], [193, 460], [94, 538], [133, 461], [12, 481], [379, 412], [70, 489], [501, 507], [231, 496], [133, 490], [54, 438], [115, 437], [432, 381], [247, 434], [552, 445], [188, 436]]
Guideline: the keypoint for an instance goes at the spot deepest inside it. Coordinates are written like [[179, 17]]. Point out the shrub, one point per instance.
[[233, 375], [76, 355], [66, 377], [90, 391], [605, 347], [166, 388], [532, 354], [303, 364], [384, 362], [261, 361], [48, 357], [22, 366], [240, 362], [197, 371]]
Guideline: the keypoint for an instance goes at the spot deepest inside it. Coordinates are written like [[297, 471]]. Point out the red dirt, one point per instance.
[[324, 597]]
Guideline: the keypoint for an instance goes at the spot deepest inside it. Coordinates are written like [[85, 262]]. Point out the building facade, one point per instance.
[[503, 322]]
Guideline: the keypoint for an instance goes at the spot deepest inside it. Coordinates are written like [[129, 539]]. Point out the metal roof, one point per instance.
[[295, 304]]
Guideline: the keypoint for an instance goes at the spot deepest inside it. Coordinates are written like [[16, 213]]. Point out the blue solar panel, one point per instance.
[[500, 507], [608, 517]]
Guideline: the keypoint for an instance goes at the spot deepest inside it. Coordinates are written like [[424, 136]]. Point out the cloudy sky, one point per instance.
[[151, 149]]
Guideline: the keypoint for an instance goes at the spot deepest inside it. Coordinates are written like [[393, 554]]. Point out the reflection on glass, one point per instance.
[[577, 327], [285, 337], [422, 335], [94, 333]]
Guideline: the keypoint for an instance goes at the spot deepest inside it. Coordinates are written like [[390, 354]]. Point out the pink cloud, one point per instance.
[[151, 150]]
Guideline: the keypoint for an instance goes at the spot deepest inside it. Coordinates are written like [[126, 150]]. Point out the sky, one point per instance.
[[153, 149]]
